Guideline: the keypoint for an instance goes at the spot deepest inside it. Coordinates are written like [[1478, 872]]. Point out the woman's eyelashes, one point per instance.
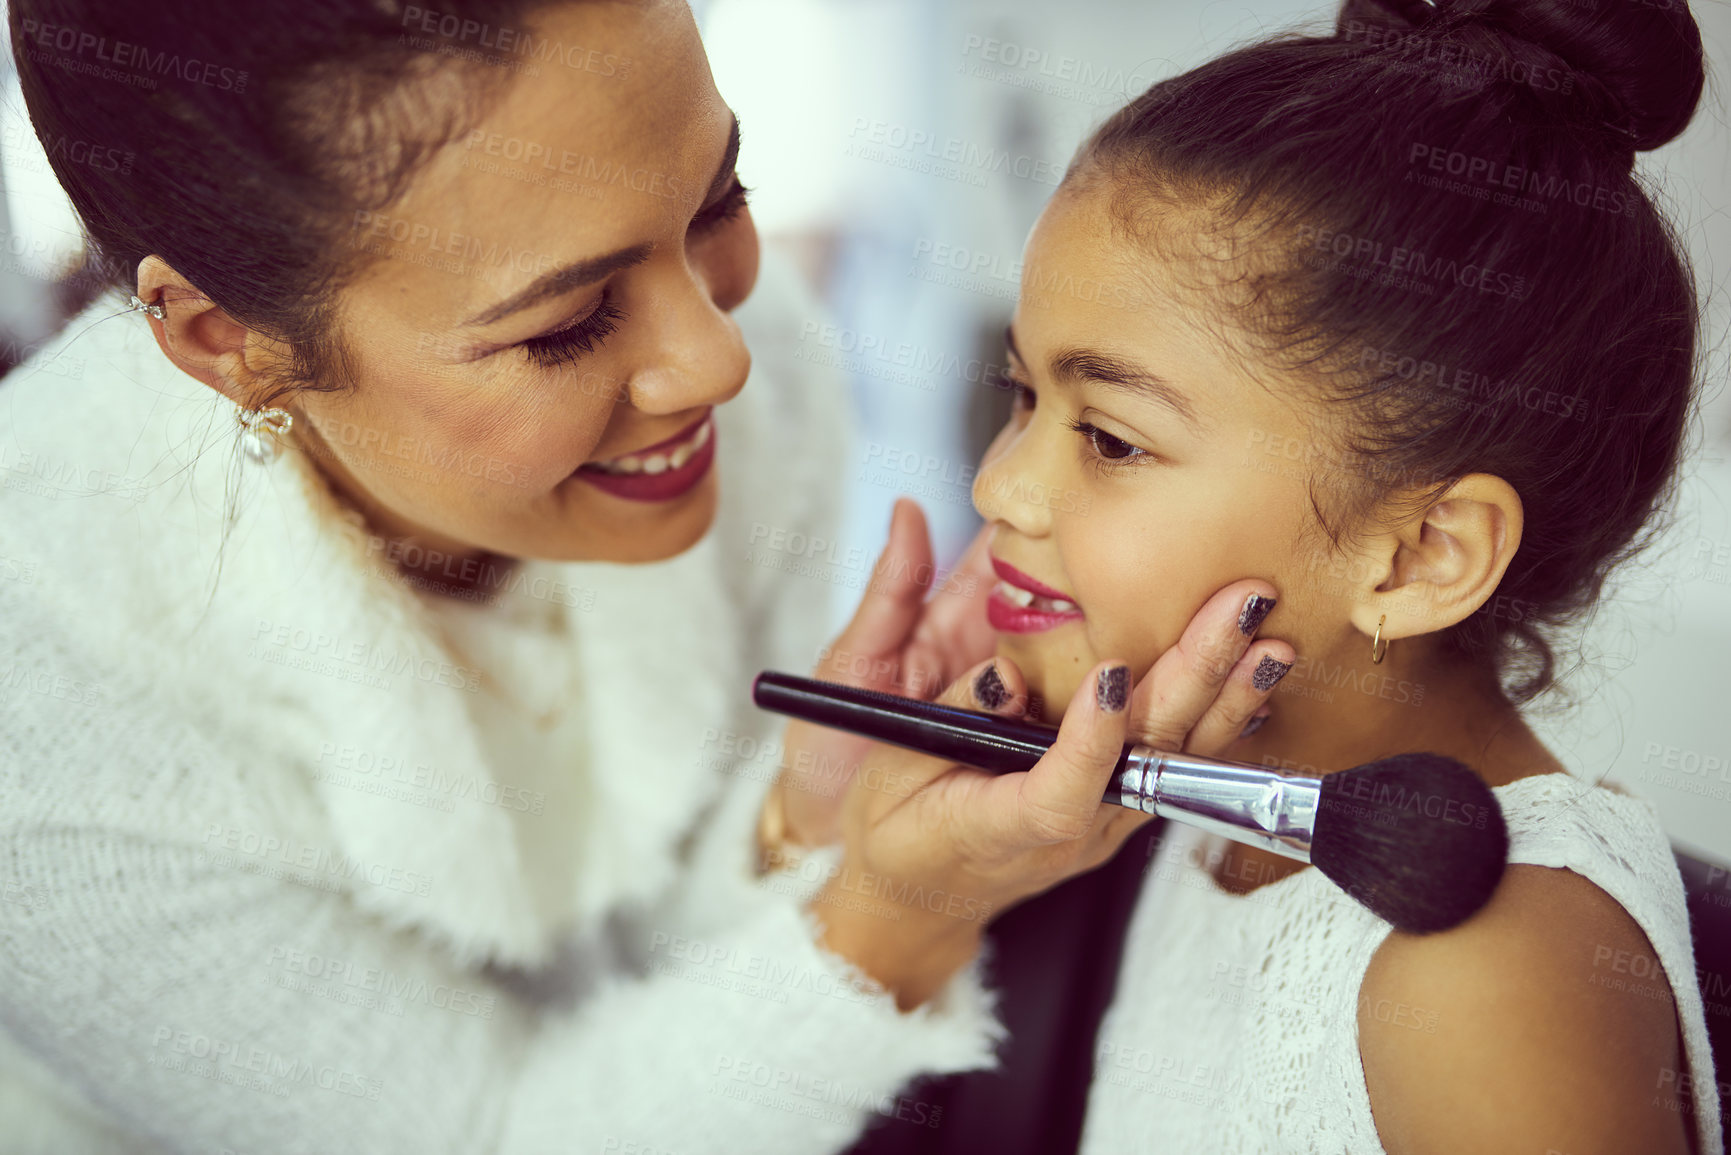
[[577, 339], [723, 209]]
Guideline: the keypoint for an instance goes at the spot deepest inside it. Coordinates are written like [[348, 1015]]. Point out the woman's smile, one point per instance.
[[1021, 604], [659, 472]]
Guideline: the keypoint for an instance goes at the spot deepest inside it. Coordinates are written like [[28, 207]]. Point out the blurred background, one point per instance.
[[900, 150]]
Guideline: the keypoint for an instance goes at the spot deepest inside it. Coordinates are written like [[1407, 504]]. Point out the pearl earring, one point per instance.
[[263, 431]]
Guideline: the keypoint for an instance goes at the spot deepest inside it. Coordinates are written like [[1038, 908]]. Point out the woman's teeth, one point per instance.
[[1027, 599], [661, 460]]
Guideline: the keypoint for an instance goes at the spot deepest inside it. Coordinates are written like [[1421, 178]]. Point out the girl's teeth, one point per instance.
[[656, 464], [629, 465], [682, 455], [702, 437], [1026, 599]]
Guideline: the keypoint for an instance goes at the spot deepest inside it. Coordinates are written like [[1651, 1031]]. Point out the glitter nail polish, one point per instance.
[[1253, 612], [1112, 689], [1268, 672], [989, 688]]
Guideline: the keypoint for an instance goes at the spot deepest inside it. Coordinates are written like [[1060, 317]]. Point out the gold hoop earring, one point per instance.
[[1378, 647]]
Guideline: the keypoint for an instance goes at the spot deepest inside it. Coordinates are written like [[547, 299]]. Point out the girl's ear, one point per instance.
[[203, 341], [1442, 564]]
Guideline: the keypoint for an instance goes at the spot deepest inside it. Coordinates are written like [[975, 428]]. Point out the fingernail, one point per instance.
[[1256, 723], [1112, 689], [989, 688], [1267, 672], [1253, 612]]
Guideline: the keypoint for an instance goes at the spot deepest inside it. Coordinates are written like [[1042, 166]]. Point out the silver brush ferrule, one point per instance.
[[1247, 804]]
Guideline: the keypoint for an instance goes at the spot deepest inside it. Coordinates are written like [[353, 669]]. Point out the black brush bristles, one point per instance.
[[1417, 838]]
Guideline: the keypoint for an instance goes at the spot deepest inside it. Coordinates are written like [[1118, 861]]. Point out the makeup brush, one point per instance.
[[1417, 838]]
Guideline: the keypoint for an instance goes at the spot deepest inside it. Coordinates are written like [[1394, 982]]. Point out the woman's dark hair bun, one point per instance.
[[1632, 67]]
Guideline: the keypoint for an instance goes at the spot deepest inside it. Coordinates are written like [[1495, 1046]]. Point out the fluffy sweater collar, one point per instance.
[[289, 646]]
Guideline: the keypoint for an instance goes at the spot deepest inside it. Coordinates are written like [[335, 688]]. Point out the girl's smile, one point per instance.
[[1020, 604]]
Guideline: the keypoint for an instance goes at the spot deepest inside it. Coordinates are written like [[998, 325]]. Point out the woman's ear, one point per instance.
[[1440, 566], [201, 339]]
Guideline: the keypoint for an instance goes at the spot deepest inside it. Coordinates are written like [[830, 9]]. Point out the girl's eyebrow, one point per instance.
[[561, 280], [1084, 365]]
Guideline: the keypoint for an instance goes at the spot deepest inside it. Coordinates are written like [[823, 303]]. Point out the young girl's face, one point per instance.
[[1144, 466]]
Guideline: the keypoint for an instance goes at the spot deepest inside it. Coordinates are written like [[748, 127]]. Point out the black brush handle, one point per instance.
[[972, 737], [1416, 872]]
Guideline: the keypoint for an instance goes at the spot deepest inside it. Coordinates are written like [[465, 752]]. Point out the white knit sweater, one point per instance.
[[1234, 1027], [296, 859]]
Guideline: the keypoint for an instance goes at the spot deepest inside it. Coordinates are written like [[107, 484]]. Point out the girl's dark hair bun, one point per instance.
[[1405, 14], [1457, 260], [1633, 68]]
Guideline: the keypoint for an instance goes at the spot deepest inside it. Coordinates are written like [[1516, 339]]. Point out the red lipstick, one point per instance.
[[1035, 608], [668, 481]]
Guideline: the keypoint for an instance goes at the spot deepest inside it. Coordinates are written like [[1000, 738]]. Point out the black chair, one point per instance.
[[1056, 964], [1708, 887]]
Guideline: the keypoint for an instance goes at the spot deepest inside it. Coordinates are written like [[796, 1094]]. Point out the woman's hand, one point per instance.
[[899, 642], [933, 850]]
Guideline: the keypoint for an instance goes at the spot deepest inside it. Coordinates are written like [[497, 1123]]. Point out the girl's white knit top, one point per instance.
[[297, 858], [1234, 1026]]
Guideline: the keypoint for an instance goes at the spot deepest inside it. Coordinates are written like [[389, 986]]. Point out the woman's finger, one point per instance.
[[1177, 692], [1247, 688], [1059, 799], [955, 624], [868, 651], [922, 671], [901, 777], [1112, 828]]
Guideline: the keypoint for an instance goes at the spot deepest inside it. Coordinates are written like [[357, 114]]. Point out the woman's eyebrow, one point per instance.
[[1085, 365], [587, 272], [562, 279]]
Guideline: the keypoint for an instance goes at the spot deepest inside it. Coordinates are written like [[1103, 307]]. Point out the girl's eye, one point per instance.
[[563, 346], [1109, 448], [732, 202]]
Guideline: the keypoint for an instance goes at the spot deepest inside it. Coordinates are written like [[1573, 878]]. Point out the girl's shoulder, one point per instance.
[[1567, 1016]]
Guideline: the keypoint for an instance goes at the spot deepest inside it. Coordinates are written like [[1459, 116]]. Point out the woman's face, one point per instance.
[[542, 331], [1142, 469]]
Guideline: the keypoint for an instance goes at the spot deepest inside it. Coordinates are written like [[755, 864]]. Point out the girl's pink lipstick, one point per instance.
[[659, 472], [1020, 605]]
